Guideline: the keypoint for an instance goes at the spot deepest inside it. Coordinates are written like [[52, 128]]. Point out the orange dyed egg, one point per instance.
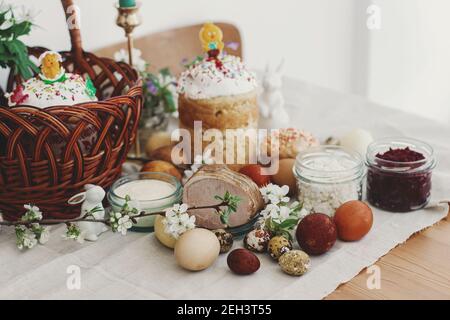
[[353, 220]]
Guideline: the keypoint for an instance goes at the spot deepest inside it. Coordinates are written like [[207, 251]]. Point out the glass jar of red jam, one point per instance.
[[399, 174]]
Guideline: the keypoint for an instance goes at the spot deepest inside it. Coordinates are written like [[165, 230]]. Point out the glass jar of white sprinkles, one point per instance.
[[327, 177]]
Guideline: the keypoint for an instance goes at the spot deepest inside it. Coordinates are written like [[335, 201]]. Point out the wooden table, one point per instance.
[[417, 269]]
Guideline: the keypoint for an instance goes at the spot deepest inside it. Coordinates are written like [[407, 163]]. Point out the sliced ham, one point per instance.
[[212, 180]]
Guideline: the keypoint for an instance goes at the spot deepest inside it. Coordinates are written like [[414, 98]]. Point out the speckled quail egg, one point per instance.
[[294, 262], [225, 239], [279, 245], [257, 240]]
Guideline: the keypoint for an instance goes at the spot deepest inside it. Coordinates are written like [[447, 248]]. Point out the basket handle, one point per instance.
[[74, 30]]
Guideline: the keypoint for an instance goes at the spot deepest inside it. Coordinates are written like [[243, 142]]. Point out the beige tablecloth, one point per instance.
[[137, 266]]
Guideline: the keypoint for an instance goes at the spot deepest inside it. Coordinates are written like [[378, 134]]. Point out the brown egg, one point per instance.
[[161, 166], [353, 220], [285, 176], [243, 262], [157, 140], [316, 233]]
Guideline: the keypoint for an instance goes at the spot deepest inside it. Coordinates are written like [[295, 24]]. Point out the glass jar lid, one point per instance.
[[329, 164], [383, 145]]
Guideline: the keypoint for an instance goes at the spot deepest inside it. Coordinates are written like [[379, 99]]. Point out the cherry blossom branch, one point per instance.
[[88, 218], [30, 228]]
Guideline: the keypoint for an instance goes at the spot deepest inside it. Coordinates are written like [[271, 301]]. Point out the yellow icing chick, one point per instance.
[[50, 65], [211, 37]]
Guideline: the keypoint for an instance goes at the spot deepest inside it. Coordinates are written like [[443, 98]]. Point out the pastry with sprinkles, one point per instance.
[[217, 89], [53, 86], [291, 141]]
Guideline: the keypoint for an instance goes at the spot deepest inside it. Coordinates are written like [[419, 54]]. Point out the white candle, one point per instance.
[[151, 194], [146, 190]]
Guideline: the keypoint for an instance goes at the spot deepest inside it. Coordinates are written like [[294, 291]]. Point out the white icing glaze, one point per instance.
[[43, 95], [204, 80]]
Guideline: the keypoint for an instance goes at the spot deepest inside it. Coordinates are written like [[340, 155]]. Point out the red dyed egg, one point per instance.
[[255, 172], [353, 220], [243, 261], [316, 233]]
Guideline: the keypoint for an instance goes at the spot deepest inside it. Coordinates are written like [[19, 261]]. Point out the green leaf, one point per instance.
[[288, 223], [21, 29], [165, 72], [24, 71], [224, 217], [13, 52], [169, 102], [197, 59], [286, 234]]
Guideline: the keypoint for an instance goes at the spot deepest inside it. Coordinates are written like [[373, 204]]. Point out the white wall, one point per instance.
[[405, 64], [409, 57], [314, 36]]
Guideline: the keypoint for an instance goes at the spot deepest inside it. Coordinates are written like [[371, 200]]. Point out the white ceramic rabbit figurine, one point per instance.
[[271, 100], [91, 198]]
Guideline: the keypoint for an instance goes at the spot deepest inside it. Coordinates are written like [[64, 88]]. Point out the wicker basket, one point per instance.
[[31, 171]]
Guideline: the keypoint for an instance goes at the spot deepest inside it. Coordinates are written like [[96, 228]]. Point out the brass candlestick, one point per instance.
[[128, 18]]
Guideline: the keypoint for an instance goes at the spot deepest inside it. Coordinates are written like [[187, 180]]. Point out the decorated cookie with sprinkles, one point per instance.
[[53, 86], [291, 141]]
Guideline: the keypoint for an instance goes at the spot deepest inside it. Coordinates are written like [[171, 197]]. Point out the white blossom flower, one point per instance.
[[134, 204], [8, 19], [187, 221], [42, 233], [177, 221], [123, 224], [44, 236], [74, 233], [25, 238], [4, 7], [139, 63], [33, 213], [26, 14], [277, 213], [275, 194]]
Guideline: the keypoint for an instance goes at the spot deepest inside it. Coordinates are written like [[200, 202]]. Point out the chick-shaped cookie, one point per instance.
[[211, 38], [51, 69]]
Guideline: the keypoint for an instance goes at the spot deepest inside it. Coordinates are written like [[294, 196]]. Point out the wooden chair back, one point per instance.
[[174, 48]]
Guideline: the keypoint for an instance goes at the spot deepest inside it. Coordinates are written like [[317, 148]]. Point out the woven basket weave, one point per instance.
[[33, 171]]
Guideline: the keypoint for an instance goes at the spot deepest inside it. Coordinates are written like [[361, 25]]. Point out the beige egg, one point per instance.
[[357, 140], [163, 237], [157, 140], [197, 249], [285, 176]]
